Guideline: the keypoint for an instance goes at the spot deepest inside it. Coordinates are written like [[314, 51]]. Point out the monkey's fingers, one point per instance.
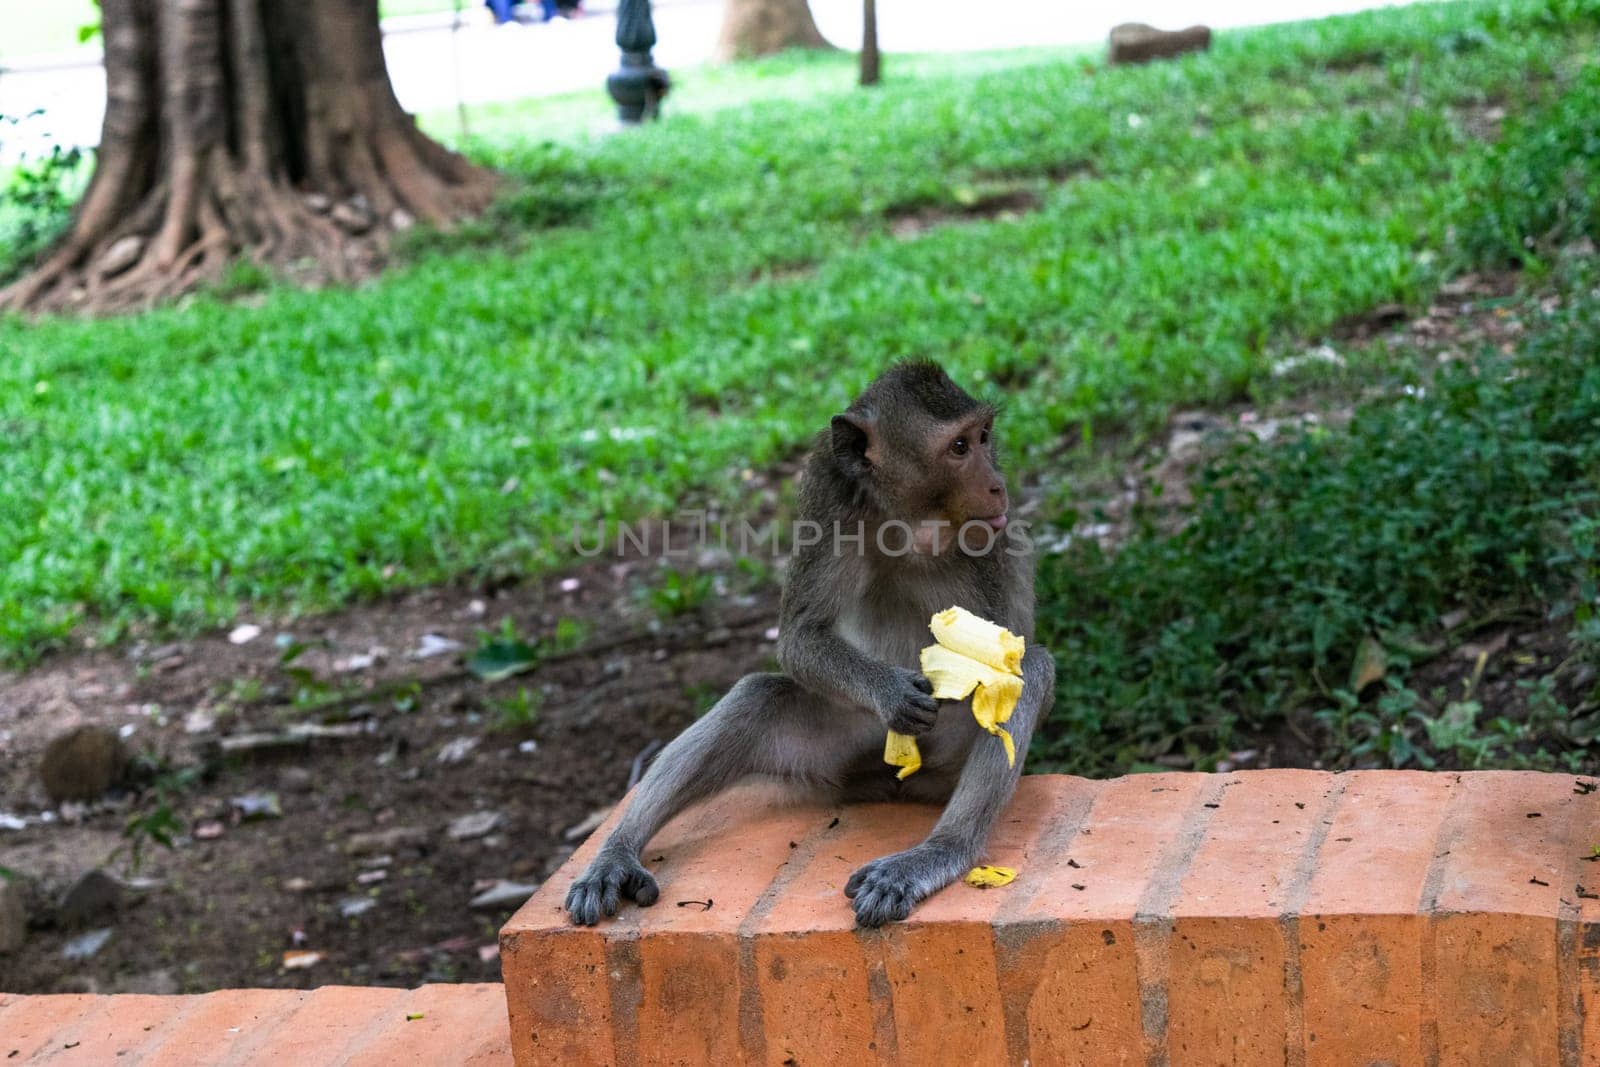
[[641, 888], [923, 683]]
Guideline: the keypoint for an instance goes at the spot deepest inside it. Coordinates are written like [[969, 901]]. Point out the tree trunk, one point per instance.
[[871, 61], [753, 28], [262, 128]]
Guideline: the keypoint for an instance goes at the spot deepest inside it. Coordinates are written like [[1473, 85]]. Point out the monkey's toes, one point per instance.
[[642, 889], [879, 903], [583, 903]]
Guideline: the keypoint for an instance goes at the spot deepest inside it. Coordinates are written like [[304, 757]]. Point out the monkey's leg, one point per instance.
[[888, 888], [766, 724]]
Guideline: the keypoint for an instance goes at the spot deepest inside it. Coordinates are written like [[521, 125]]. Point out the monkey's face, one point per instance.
[[922, 451], [966, 483]]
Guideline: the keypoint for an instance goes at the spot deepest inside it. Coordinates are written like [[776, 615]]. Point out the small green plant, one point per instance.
[[681, 592], [503, 653], [517, 712], [157, 823], [569, 634]]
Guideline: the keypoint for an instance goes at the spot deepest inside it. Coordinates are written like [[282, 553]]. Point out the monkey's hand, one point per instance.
[[886, 889], [905, 702], [612, 876]]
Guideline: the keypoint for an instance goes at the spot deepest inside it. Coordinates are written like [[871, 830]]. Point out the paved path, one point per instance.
[[433, 67]]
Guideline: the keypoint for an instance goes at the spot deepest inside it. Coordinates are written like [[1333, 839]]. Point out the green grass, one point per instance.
[[610, 343]]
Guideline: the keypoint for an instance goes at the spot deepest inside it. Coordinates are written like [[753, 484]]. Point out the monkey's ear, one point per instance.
[[855, 442]]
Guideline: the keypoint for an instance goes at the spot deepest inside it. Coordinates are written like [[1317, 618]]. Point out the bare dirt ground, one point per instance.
[[428, 742], [271, 759]]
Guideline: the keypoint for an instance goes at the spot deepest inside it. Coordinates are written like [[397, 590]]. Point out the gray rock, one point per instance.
[[86, 946], [504, 894], [82, 764], [391, 840], [478, 824], [95, 896], [1134, 42], [253, 807], [13, 917], [351, 907], [457, 750]]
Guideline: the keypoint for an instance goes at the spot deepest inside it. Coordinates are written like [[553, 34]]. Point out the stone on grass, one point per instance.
[[1134, 42], [82, 763], [96, 895]]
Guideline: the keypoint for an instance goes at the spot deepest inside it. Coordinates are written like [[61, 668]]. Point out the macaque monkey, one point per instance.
[[905, 488]]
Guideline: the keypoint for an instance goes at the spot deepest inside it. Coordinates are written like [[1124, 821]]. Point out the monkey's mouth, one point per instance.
[[997, 521]]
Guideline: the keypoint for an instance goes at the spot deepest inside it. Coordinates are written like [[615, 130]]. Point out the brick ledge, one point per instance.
[[1256, 917], [345, 1025]]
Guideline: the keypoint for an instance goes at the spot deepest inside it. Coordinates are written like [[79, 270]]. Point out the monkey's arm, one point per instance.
[[813, 653], [888, 888]]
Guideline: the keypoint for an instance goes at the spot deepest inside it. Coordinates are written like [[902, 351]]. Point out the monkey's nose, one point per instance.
[[996, 489]]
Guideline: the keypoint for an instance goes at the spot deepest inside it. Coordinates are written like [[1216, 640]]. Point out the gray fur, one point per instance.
[[852, 627]]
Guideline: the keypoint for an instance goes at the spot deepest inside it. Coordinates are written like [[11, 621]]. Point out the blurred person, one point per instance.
[[505, 11]]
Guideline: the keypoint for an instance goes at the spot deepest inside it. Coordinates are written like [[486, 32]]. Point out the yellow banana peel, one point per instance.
[[985, 876], [900, 750], [973, 657]]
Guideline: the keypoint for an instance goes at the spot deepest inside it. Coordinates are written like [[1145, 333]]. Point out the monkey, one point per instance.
[[906, 484]]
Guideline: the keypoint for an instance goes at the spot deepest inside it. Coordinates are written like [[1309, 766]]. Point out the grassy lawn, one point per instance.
[[646, 316]]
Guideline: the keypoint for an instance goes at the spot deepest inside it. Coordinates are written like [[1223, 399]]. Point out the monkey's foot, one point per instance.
[[886, 889], [600, 889]]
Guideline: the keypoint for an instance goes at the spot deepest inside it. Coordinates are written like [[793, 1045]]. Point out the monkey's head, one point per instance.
[[921, 450]]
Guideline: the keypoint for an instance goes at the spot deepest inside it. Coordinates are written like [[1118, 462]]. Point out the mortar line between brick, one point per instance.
[[1569, 1009], [1299, 892], [64, 1035], [152, 1039], [1010, 934], [752, 1017], [1428, 908], [625, 984], [1153, 922], [245, 1049], [375, 1025], [883, 1025]]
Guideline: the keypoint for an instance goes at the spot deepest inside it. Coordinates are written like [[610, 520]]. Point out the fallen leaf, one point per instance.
[[1371, 663], [299, 961]]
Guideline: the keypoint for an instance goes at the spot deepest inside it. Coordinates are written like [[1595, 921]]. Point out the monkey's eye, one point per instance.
[[983, 436], [959, 446]]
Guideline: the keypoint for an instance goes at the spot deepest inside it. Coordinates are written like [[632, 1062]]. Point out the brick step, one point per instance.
[[436, 1024], [1259, 917]]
